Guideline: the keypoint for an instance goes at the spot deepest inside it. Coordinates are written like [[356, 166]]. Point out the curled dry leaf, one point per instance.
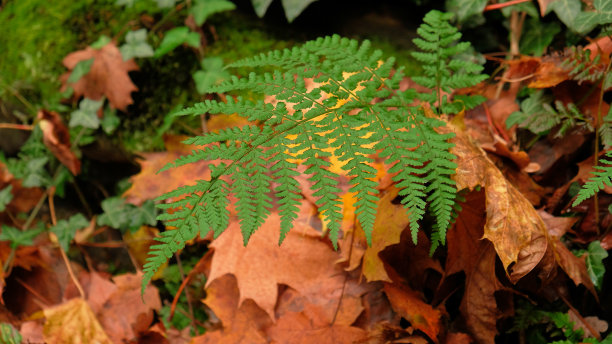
[[57, 138], [108, 75], [513, 225], [73, 322]]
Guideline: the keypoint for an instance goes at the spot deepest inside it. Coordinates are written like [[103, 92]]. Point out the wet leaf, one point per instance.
[[108, 75], [73, 322]]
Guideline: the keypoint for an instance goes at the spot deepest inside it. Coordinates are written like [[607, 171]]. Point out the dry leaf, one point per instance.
[[410, 306], [298, 328], [241, 322], [303, 261], [73, 322], [24, 199], [108, 75], [57, 138], [513, 225]]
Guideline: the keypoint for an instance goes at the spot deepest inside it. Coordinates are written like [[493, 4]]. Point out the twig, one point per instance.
[[582, 320], [504, 4], [180, 267], [16, 126], [346, 275]]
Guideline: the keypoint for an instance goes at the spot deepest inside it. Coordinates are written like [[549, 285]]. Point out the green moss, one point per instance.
[[38, 34]]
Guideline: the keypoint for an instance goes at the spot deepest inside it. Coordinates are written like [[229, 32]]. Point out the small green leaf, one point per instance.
[[81, 68], [123, 216], [293, 8], [537, 36], [202, 9], [261, 6], [86, 116], [110, 121], [165, 3], [464, 9], [176, 37], [9, 335], [65, 229], [212, 74], [136, 45], [17, 237], [102, 41], [594, 262], [5, 197]]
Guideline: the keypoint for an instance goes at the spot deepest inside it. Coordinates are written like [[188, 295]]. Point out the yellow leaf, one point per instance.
[[73, 322]]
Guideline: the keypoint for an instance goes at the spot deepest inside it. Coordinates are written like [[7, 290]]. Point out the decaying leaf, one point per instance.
[[108, 75], [73, 322]]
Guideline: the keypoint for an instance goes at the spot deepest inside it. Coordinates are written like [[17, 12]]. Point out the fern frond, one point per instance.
[[443, 71], [602, 177], [333, 98]]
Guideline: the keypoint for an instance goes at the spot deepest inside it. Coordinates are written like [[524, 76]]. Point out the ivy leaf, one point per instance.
[[538, 36], [464, 9], [293, 8], [566, 10], [212, 74], [587, 21], [35, 173], [17, 237], [101, 42], [110, 121], [136, 45], [81, 68], [594, 262], [65, 229], [261, 6], [5, 197], [202, 9], [9, 335], [176, 37], [123, 216], [86, 115]]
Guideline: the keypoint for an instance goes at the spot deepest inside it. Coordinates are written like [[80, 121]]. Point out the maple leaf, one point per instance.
[[312, 331], [57, 138], [108, 75], [73, 322], [302, 262], [240, 321]]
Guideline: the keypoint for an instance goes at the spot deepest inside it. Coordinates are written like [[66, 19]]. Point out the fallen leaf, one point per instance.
[[458, 338], [24, 199], [410, 305], [302, 262], [298, 328], [73, 322], [108, 75], [513, 225], [219, 122], [241, 320], [476, 257], [57, 138], [125, 313], [149, 184]]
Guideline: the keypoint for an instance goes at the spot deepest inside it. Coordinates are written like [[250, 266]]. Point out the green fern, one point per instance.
[[355, 111], [602, 177], [581, 67], [443, 71]]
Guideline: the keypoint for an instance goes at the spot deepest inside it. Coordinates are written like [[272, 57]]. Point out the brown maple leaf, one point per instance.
[[304, 261], [108, 75]]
